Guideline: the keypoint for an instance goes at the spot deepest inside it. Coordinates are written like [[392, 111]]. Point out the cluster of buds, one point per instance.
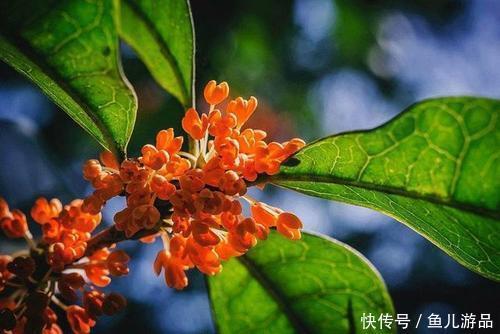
[[56, 271], [192, 199]]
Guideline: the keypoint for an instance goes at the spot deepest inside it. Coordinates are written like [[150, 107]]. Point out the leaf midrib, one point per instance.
[[165, 50], [275, 294], [23, 48], [481, 211]]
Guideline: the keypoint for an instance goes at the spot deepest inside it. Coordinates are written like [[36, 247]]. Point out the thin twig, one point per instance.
[[112, 236]]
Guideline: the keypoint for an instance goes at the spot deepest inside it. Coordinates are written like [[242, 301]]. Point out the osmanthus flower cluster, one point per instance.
[[203, 223], [193, 201], [56, 271]]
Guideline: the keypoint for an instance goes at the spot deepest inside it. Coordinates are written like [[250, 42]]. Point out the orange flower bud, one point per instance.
[[154, 158], [204, 258], [100, 255], [249, 138], [182, 224], [289, 225], [139, 197], [139, 191], [161, 258], [98, 273], [242, 108], [110, 185], [5, 274], [146, 216], [213, 171], [74, 242], [43, 210], [59, 255], [50, 318], [216, 93], [178, 247], [176, 166], [165, 140], [128, 170], [192, 181], [51, 230], [210, 202], [175, 276], [194, 125], [182, 201], [226, 251], [73, 217], [263, 214], [162, 188], [242, 238], [268, 157], [203, 234], [228, 150], [92, 302], [91, 169], [229, 220], [221, 126], [4, 209], [79, 320], [124, 222], [262, 231], [117, 263], [231, 184], [247, 168], [109, 160], [15, 226], [293, 146], [92, 204]]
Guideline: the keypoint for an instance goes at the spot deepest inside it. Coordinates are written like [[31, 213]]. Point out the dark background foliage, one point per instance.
[[318, 67]]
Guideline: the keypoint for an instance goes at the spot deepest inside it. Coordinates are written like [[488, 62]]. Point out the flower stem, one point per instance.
[[112, 236]]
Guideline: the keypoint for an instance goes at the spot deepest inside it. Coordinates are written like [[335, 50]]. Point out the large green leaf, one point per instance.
[[313, 285], [70, 49], [436, 168], [161, 33]]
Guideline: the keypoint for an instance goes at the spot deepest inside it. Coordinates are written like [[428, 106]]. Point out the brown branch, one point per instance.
[[111, 236]]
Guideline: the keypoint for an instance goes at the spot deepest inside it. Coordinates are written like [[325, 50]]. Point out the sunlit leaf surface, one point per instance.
[[70, 50], [161, 33], [436, 168], [314, 285]]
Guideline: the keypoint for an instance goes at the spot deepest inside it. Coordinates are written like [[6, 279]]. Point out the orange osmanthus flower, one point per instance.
[[12, 223], [193, 198], [216, 93], [194, 201], [79, 320], [67, 271]]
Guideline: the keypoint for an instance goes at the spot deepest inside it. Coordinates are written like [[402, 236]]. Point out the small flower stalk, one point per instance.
[[193, 201]]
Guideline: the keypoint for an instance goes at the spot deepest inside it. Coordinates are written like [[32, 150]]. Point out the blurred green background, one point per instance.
[[317, 67]]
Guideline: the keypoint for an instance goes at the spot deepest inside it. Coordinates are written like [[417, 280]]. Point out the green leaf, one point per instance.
[[161, 33], [70, 50], [435, 168], [313, 285]]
